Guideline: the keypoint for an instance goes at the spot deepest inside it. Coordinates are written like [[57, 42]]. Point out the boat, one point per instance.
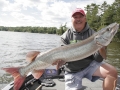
[[53, 79]]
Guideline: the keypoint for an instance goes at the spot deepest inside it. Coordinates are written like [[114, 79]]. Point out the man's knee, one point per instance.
[[113, 73]]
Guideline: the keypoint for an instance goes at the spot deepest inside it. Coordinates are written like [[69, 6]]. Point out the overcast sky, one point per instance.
[[48, 13]]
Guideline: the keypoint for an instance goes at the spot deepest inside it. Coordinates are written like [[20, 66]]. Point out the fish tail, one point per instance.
[[18, 78]]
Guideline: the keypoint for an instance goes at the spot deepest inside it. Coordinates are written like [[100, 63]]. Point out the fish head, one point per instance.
[[105, 36]]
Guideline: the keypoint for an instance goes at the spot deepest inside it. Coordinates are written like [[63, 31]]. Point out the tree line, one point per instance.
[[49, 30], [98, 16]]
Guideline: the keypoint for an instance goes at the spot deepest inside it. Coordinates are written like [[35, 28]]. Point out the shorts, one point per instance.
[[73, 81]]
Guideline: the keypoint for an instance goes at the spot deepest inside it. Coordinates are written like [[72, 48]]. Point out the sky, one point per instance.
[[43, 13]]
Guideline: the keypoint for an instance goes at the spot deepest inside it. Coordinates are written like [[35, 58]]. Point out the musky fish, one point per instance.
[[66, 53]]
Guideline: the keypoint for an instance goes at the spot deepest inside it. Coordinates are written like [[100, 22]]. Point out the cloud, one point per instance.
[[22, 17], [40, 12], [3, 3], [101, 1], [3, 14]]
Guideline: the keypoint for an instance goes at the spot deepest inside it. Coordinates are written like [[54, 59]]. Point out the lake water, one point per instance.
[[15, 45]]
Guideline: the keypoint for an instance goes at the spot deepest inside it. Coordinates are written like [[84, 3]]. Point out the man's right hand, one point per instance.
[[59, 63]]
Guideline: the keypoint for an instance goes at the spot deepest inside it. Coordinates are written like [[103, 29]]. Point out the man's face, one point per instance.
[[78, 21]]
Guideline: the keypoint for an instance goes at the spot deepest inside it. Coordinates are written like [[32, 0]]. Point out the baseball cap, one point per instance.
[[78, 10]]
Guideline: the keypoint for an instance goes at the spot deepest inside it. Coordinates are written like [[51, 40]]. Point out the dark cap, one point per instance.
[[78, 10]]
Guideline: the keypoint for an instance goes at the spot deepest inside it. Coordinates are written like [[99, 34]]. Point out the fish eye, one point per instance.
[[108, 29]]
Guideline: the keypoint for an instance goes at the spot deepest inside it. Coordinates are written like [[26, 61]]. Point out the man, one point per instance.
[[91, 67]]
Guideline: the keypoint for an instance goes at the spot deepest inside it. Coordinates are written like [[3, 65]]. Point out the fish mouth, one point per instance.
[[105, 39], [113, 32], [114, 29]]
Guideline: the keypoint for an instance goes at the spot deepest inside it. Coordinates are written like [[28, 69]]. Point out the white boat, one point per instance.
[[54, 80]]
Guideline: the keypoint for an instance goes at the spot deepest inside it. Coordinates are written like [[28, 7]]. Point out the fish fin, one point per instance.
[[30, 57], [18, 79], [37, 73]]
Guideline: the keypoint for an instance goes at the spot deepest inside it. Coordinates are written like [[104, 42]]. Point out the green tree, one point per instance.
[[92, 15], [62, 29], [116, 6], [103, 9]]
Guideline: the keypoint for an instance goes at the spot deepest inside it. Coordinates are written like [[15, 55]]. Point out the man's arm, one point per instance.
[[103, 52]]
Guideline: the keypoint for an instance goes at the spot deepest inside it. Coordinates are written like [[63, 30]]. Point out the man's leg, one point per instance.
[[109, 73], [73, 81]]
